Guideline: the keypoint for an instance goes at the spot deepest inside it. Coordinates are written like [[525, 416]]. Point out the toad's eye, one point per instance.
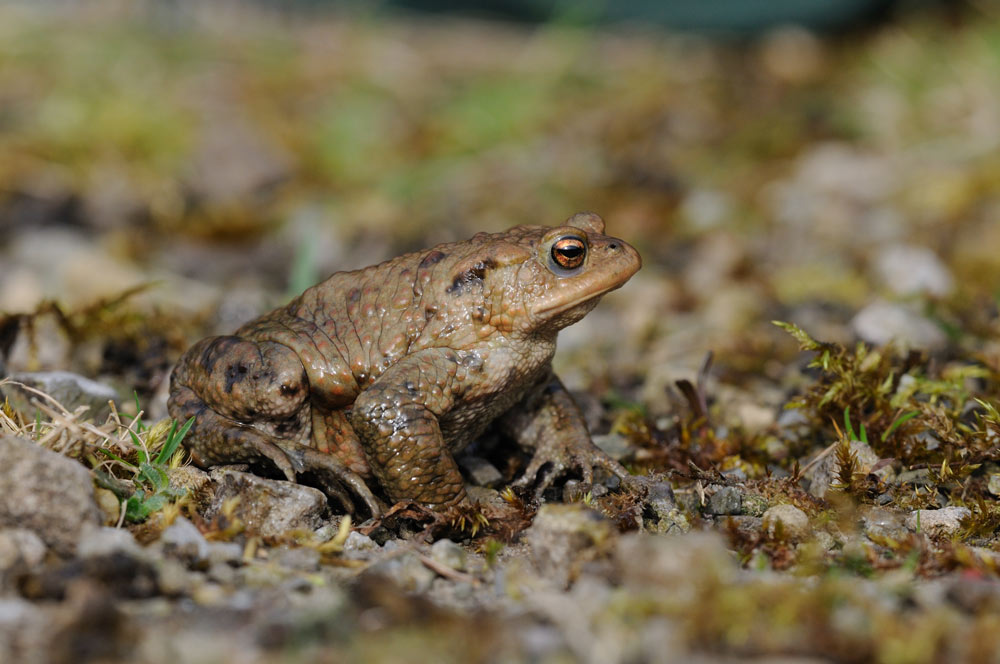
[[569, 252]]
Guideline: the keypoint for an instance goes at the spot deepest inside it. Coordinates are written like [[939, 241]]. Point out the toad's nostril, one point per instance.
[[613, 246]]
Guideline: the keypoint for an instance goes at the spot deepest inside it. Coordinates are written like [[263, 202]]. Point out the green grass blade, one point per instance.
[[116, 457], [174, 439], [899, 421]]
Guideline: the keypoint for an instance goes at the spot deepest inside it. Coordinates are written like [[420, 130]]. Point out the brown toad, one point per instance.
[[389, 371]]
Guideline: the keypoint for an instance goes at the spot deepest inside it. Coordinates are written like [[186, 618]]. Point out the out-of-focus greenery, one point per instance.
[[399, 128]]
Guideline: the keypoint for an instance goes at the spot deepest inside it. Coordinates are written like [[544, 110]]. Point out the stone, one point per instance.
[[45, 492], [103, 541], [359, 547], [882, 322], [268, 507], [649, 563], [942, 523], [562, 535], [20, 548], [449, 554], [882, 523], [792, 522], [614, 445], [406, 570], [69, 389], [993, 484], [911, 270], [182, 539], [303, 559], [754, 505], [726, 500], [480, 471]]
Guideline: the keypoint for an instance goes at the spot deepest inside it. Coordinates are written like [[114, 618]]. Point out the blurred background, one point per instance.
[[171, 169]]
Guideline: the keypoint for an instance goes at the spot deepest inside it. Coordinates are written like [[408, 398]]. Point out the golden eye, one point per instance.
[[569, 252]]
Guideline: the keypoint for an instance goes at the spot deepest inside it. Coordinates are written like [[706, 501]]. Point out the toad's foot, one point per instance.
[[550, 423], [556, 458]]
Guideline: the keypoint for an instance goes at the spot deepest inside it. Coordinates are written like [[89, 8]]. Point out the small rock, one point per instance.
[[725, 501], [754, 505], [614, 445], [182, 539], [230, 553], [109, 505], [69, 389], [104, 541], [45, 492], [794, 425], [20, 547], [174, 578], [789, 519], [659, 501], [449, 554], [562, 535], [406, 570], [910, 270], [359, 547], [575, 491], [673, 561], [746, 526], [881, 322], [481, 471], [879, 522], [942, 522], [268, 507], [303, 559], [993, 484]]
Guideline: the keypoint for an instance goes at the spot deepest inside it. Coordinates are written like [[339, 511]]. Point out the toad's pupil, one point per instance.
[[568, 253]]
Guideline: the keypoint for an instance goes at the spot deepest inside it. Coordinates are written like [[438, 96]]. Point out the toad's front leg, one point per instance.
[[549, 423], [397, 421]]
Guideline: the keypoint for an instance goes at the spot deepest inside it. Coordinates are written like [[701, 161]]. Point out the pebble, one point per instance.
[[910, 270], [69, 389], [449, 554], [45, 492], [359, 547], [481, 471], [562, 534], [672, 561], [881, 322], [942, 522], [726, 500], [103, 541], [406, 570], [182, 539], [792, 522], [267, 507], [19, 546], [993, 484], [614, 445], [878, 522]]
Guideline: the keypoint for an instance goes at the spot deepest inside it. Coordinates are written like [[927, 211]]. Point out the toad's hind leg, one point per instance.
[[229, 383]]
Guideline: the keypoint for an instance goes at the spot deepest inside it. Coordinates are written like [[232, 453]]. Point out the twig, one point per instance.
[[446, 571]]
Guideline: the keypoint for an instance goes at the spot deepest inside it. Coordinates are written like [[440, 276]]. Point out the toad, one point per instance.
[[384, 374]]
